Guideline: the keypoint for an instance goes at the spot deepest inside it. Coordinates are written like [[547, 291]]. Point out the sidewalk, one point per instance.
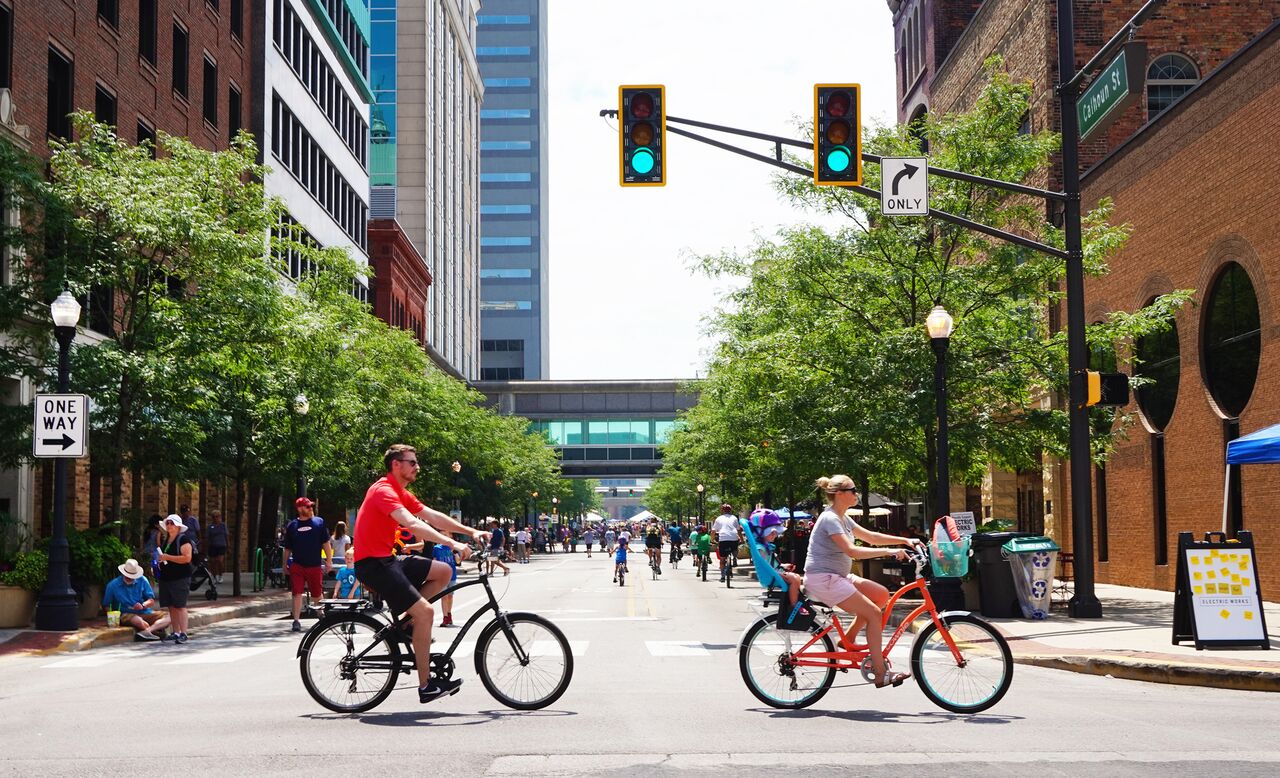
[[1133, 640], [94, 633]]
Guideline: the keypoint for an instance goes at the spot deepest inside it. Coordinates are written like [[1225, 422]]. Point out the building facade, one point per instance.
[[311, 118], [425, 159], [514, 304], [1211, 70]]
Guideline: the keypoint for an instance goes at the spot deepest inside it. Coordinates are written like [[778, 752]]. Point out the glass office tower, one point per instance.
[[511, 49]]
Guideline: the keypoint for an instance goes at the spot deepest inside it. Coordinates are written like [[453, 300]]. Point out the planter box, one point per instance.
[[91, 601], [17, 606]]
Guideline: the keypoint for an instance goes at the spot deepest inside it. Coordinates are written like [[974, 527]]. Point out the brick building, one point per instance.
[[401, 280], [1187, 169]]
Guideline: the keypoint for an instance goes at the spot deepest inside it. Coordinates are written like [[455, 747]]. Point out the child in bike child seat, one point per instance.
[[619, 561], [763, 528]]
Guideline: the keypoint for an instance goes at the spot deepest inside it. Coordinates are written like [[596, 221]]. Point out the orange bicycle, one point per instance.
[[961, 663]]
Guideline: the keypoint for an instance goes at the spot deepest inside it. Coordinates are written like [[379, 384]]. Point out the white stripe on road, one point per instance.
[[88, 660], [676, 648], [220, 656]]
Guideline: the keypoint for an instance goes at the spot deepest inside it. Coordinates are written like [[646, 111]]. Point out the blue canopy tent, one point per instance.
[[1261, 447], [784, 513]]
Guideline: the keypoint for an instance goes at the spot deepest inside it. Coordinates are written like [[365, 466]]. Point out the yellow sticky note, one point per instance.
[[1232, 557], [1195, 560], [1248, 615], [1198, 589], [1224, 613], [1211, 574], [1226, 572], [1235, 578], [1244, 565], [1235, 589], [1246, 582], [1199, 576]]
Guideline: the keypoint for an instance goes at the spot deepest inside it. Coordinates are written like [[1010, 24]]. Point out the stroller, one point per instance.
[[200, 576]]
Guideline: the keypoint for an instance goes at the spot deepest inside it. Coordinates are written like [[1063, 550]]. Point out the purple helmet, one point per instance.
[[764, 521]]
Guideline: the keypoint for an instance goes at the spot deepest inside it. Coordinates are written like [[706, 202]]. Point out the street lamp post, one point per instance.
[[457, 498], [531, 519], [56, 608], [702, 491], [301, 406], [940, 325]]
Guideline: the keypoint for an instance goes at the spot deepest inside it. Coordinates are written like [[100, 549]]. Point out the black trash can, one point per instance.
[[996, 591]]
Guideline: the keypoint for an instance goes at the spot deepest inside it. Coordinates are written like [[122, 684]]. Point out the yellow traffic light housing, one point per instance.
[[1107, 388]]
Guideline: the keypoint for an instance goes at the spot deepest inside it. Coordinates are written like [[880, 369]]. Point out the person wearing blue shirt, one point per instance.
[[619, 561], [347, 587], [131, 594]]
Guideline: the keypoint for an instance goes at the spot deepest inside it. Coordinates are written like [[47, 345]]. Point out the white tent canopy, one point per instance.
[[643, 516]]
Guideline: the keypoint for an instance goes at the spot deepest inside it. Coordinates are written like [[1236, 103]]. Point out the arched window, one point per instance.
[[1169, 77], [1158, 361], [1232, 340], [916, 126], [1102, 358]]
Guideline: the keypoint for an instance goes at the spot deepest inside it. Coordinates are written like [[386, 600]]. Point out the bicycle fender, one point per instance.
[[945, 614], [742, 639]]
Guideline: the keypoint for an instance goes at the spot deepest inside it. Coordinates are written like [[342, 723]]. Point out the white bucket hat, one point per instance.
[[176, 520], [131, 569]]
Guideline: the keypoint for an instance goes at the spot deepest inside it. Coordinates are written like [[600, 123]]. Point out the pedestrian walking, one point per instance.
[[523, 539], [497, 548], [590, 539], [304, 538], [176, 552], [130, 595], [193, 526], [609, 537], [216, 534]]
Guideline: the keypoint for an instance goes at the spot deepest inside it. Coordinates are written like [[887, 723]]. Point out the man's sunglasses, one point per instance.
[[412, 462]]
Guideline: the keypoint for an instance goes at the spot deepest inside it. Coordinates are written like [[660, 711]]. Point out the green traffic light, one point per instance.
[[838, 160], [642, 161]]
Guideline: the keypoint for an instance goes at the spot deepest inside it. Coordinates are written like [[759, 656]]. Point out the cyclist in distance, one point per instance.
[[653, 544], [673, 534], [725, 528], [407, 582], [828, 574]]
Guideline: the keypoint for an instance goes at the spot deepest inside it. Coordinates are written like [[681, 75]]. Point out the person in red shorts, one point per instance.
[[407, 582], [304, 538]]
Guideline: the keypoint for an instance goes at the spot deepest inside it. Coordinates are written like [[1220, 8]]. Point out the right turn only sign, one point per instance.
[[904, 186]]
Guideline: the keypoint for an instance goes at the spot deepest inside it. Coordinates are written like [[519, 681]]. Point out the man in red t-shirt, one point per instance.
[[407, 582]]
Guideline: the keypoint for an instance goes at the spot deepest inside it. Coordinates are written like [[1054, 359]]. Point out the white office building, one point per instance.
[[311, 118]]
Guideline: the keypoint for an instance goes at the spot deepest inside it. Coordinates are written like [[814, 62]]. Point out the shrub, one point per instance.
[[31, 569]]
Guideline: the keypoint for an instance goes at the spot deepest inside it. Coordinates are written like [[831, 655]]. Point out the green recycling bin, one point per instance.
[[1032, 560]]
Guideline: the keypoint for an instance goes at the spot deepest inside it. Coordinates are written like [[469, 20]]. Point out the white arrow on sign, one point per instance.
[[61, 425], [904, 185]]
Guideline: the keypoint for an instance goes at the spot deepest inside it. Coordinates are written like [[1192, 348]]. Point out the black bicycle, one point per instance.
[[703, 562], [351, 659]]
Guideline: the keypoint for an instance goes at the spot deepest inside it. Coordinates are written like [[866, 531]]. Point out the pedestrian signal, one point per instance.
[[1107, 389], [837, 135], [642, 126]]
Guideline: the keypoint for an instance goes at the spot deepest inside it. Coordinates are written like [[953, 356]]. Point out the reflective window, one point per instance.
[[502, 51], [487, 19], [499, 83], [1233, 340], [504, 210], [1159, 361], [504, 272], [505, 145], [504, 178], [510, 241], [505, 113], [1169, 77]]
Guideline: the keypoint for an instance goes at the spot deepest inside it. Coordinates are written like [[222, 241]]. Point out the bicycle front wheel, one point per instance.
[[978, 680], [767, 660], [347, 665], [524, 661]]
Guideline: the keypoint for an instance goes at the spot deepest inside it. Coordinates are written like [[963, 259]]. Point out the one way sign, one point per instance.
[[61, 425], [904, 186]]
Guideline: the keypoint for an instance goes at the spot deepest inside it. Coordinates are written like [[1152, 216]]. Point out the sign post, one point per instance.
[[61, 426], [1116, 88], [904, 186]]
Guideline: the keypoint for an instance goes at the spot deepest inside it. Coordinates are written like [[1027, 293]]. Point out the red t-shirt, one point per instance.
[[375, 532]]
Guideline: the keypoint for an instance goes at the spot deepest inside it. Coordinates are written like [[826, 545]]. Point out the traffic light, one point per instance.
[[642, 127], [837, 135], [631, 492], [613, 491], [1107, 389]]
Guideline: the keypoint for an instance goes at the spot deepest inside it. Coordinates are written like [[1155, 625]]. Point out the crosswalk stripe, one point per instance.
[[88, 660], [220, 656], [676, 648]]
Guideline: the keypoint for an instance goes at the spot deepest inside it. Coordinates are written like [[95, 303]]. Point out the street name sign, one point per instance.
[[61, 425], [904, 186], [1117, 87]]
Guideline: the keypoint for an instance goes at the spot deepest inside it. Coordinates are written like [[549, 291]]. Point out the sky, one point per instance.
[[625, 300]]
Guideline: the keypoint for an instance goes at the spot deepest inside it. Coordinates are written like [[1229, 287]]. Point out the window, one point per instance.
[[147, 30], [1102, 358], [61, 83], [233, 112], [509, 241], [6, 47], [502, 51], [505, 113], [212, 4], [502, 272], [1158, 361], [210, 91], [147, 134], [488, 19], [104, 106], [504, 178], [236, 13], [109, 12], [180, 53], [1169, 77], [504, 210], [1232, 340], [501, 83]]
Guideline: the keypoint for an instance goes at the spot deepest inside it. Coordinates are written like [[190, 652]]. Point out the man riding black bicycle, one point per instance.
[[653, 544], [407, 582]]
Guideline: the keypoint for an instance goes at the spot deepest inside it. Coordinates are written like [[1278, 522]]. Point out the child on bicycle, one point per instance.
[[619, 561]]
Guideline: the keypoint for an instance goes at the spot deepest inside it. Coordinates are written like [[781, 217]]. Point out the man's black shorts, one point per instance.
[[726, 549], [397, 579], [652, 541]]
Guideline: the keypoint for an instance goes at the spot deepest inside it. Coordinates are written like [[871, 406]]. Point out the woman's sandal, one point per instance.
[[891, 678]]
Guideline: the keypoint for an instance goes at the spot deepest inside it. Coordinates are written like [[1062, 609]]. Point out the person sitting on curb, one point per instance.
[[131, 594]]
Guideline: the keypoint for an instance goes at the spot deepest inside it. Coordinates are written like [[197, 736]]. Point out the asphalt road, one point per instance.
[[656, 691]]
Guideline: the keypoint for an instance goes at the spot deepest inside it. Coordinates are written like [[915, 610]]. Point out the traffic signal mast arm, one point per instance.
[[778, 162]]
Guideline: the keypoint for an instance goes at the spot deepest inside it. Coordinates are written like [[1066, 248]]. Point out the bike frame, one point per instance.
[[854, 655]]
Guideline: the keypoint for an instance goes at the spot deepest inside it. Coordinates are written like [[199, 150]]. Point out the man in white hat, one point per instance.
[[131, 594]]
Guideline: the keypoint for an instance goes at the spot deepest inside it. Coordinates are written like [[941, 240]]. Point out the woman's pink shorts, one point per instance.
[[830, 588]]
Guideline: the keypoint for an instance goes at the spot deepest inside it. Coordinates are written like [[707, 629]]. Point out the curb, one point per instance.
[[83, 640], [1253, 679]]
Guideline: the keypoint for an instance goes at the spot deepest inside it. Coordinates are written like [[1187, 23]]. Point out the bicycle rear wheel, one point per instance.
[[347, 665], [975, 683], [766, 659], [525, 663]]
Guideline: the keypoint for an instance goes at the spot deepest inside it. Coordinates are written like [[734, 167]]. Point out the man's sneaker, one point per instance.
[[437, 689], [297, 626], [180, 637], [447, 621], [145, 637], [615, 579]]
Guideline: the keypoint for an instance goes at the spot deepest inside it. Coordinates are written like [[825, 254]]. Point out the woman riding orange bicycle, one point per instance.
[[829, 574]]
